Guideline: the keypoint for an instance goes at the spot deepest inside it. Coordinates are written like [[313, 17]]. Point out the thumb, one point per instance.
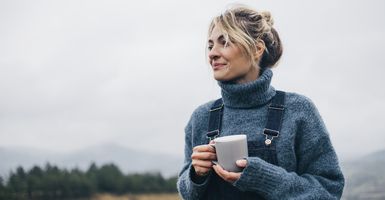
[[241, 163]]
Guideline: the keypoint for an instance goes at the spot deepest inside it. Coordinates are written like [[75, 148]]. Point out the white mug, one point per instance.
[[229, 149]]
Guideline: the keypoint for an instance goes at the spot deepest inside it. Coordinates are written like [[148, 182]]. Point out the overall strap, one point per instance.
[[215, 120], [274, 117]]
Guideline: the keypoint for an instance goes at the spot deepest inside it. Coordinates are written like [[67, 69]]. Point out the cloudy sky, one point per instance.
[[81, 73]]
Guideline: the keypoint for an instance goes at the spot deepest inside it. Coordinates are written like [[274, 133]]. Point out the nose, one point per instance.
[[213, 54]]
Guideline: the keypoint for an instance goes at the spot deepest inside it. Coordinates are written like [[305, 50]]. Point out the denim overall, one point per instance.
[[263, 148]]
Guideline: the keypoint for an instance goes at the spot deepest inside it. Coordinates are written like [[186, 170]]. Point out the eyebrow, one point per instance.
[[221, 37]]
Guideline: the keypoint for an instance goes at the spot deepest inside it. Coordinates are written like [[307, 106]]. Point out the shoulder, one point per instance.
[[202, 110], [200, 114], [299, 103], [304, 110]]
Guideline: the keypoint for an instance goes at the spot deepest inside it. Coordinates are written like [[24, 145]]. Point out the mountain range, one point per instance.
[[365, 177]]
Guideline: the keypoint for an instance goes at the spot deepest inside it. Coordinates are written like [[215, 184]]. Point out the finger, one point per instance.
[[204, 156], [207, 147], [217, 170], [202, 163], [226, 175], [241, 163], [234, 175], [204, 148], [212, 144], [220, 171]]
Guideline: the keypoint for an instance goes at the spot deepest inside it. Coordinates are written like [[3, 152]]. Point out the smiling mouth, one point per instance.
[[218, 66]]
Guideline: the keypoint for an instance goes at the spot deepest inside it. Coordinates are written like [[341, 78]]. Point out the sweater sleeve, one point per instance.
[[189, 185], [318, 175]]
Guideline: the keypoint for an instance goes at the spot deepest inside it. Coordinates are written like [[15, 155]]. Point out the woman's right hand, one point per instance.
[[201, 158]]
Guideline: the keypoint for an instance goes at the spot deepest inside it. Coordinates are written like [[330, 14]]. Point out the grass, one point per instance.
[[173, 196]]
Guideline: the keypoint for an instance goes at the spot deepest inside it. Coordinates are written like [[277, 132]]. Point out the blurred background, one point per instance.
[[94, 86]]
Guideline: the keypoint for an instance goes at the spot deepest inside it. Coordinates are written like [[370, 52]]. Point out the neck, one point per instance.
[[251, 94]]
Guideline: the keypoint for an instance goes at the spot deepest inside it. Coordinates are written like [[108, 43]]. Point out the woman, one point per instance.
[[290, 152]]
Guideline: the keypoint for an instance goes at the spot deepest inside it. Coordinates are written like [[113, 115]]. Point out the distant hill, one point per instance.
[[128, 160], [365, 177]]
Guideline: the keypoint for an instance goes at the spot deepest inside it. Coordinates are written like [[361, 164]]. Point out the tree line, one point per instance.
[[51, 182]]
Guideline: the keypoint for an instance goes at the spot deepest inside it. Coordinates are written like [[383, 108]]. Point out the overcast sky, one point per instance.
[[80, 73]]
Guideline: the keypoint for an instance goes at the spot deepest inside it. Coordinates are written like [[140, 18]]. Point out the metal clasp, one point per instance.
[[272, 133], [217, 108], [212, 134]]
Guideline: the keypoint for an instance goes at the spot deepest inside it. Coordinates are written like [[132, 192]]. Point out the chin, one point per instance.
[[227, 78], [220, 77]]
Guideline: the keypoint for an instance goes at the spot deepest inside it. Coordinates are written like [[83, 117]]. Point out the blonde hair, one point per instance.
[[245, 27]]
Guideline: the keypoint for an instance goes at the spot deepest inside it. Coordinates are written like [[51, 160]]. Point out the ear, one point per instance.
[[260, 48]]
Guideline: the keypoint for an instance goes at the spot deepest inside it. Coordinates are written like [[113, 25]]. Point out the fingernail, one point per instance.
[[239, 162]]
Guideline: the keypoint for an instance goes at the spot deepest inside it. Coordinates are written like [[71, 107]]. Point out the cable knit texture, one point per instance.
[[307, 167]]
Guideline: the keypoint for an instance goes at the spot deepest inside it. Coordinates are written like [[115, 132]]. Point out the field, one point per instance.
[[136, 197]]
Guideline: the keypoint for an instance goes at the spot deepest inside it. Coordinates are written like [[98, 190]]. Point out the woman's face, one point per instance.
[[228, 61]]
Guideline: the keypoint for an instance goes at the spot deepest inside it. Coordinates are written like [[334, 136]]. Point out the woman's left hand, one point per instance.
[[230, 176]]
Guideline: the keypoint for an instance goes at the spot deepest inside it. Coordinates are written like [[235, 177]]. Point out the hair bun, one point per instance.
[[266, 15]]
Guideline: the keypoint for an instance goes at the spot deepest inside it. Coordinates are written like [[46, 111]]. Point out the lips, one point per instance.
[[217, 66]]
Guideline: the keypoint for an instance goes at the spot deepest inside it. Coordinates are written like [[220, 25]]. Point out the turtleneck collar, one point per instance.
[[250, 94]]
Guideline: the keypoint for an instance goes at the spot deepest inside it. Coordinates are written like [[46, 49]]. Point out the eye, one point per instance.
[[225, 44], [209, 47]]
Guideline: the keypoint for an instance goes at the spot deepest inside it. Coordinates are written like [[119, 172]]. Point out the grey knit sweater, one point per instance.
[[307, 163]]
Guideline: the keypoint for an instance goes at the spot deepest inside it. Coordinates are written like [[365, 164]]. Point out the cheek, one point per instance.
[[240, 64], [230, 53], [235, 56]]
